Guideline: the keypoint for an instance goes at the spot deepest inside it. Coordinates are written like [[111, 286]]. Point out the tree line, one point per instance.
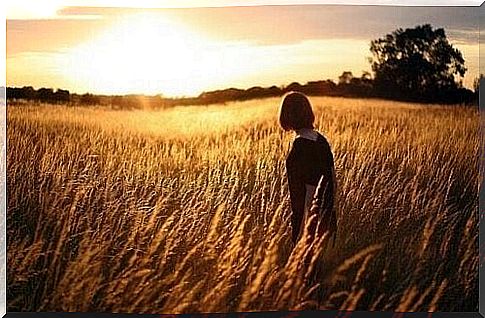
[[347, 86], [414, 64]]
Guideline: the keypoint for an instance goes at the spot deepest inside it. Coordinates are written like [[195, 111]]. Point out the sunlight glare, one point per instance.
[[147, 53]]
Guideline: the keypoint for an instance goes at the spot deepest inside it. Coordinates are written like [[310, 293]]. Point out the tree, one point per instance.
[[417, 63], [62, 96], [366, 77], [476, 83], [45, 94], [89, 99], [345, 78]]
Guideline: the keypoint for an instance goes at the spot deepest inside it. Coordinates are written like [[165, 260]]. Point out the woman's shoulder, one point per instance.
[[299, 147], [302, 141], [322, 138], [324, 144]]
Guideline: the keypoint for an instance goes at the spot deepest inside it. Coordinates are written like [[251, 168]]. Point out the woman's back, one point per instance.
[[311, 156], [309, 163]]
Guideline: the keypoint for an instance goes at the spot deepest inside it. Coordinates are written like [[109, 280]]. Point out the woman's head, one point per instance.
[[296, 112]]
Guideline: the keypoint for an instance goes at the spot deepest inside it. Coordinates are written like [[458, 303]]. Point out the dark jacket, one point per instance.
[[308, 163]]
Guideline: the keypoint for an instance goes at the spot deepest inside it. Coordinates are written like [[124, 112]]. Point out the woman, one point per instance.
[[309, 167]]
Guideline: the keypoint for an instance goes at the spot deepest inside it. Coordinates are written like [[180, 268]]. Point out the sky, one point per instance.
[[112, 49]]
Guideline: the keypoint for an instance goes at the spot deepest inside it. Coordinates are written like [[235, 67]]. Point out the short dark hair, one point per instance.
[[296, 112]]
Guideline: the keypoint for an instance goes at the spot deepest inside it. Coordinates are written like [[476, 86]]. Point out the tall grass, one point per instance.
[[186, 210]]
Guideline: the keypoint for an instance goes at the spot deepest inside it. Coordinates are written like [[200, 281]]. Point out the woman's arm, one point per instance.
[[329, 183], [323, 202], [296, 185]]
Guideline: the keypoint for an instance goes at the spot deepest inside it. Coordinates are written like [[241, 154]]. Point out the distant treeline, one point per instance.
[[347, 86]]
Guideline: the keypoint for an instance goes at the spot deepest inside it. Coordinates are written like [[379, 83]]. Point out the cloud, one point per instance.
[[273, 25]]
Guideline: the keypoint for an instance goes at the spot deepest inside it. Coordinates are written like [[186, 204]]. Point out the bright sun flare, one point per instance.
[[145, 53]]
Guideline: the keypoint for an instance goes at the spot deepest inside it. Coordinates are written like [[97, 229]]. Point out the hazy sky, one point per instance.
[[187, 51]]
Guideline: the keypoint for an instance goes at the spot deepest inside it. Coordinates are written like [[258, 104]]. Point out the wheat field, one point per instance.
[[186, 209]]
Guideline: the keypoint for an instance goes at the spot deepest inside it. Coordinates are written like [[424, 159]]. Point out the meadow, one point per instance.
[[186, 209]]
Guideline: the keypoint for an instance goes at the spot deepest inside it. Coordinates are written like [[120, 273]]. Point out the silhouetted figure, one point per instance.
[[309, 165]]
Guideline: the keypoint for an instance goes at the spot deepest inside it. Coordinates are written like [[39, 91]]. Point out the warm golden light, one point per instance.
[[152, 54], [188, 51], [138, 53]]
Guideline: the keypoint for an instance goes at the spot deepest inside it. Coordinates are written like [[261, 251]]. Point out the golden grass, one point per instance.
[[186, 210]]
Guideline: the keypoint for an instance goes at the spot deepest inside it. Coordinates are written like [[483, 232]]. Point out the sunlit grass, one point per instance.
[[186, 210]]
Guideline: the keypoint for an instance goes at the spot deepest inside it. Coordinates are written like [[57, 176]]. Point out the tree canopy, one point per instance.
[[417, 63]]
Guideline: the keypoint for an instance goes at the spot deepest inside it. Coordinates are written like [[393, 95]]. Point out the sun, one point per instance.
[[144, 53], [155, 53]]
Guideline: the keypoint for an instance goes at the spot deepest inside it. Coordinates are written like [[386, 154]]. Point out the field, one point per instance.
[[186, 209]]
